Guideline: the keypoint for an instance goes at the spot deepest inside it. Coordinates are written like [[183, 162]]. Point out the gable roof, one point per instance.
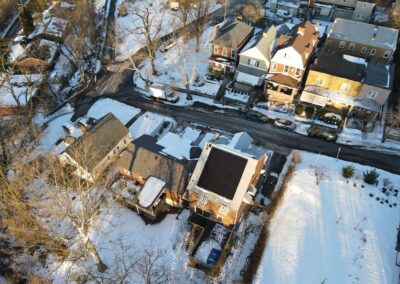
[[302, 42], [233, 34], [146, 160], [90, 149], [364, 33], [224, 174], [371, 73], [262, 48]]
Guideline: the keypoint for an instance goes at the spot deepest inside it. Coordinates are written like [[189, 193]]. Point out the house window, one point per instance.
[[253, 62], [345, 88], [363, 50], [223, 210], [202, 201], [342, 44], [319, 81], [220, 218], [297, 72], [286, 69], [224, 52], [233, 53], [372, 94], [273, 67], [352, 46], [373, 51], [216, 49], [386, 54]]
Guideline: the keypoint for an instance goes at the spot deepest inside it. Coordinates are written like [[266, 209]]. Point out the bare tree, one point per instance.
[[62, 197], [198, 15], [252, 12], [394, 15], [393, 118], [81, 33], [149, 26], [186, 64]]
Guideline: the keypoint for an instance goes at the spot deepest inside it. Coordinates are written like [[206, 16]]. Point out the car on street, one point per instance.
[[256, 116], [285, 124], [322, 132], [283, 14]]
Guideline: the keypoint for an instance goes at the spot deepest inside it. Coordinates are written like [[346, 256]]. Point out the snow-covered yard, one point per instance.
[[129, 41], [328, 230]]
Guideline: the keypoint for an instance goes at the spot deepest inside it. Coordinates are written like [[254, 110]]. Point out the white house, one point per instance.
[[255, 59]]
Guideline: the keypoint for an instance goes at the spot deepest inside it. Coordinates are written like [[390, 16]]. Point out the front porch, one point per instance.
[[221, 64], [278, 93]]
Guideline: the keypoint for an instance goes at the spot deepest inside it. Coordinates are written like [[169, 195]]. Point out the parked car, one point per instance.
[[285, 124], [165, 46], [322, 132], [269, 184], [256, 116], [216, 20], [283, 14]]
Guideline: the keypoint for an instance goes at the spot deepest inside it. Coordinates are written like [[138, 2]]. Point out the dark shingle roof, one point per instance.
[[91, 148], [147, 161], [336, 65], [250, 70], [233, 34]]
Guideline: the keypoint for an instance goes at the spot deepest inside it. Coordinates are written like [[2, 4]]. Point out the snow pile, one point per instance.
[[191, 134], [150, 191], [121, 111], [216, 240], [150, 124], [175, 145], [328, 229]]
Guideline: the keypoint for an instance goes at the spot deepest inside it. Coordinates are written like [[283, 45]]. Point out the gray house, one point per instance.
[[95, 150]]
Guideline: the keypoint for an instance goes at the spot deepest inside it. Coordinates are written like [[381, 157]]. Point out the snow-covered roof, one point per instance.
[[51, 26], [364, 33], [150, 191]]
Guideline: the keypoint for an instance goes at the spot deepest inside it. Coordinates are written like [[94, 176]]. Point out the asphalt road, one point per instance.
[[279, 140]]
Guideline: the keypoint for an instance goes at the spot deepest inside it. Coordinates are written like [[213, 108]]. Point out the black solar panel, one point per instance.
[[222, 173]]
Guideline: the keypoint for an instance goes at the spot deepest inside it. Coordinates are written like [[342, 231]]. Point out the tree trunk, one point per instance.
[[153, 67], [188, 92], [101, 267]]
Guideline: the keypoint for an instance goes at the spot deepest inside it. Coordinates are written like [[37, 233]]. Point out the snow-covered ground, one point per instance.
[[368, 140], [330, 230], [125, 27], [181, 59], [121, 111]]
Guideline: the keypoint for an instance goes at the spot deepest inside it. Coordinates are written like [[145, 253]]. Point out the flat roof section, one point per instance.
[[222, 173]]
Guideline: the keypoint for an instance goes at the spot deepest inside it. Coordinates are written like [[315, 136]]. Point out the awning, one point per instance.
[[247, 79], [313, 99]]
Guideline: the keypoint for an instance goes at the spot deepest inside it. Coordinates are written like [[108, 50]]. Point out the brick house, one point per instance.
[[362, 40], [227, 44]]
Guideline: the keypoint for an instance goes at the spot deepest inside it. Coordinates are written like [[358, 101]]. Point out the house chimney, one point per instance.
[[217, 29]]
